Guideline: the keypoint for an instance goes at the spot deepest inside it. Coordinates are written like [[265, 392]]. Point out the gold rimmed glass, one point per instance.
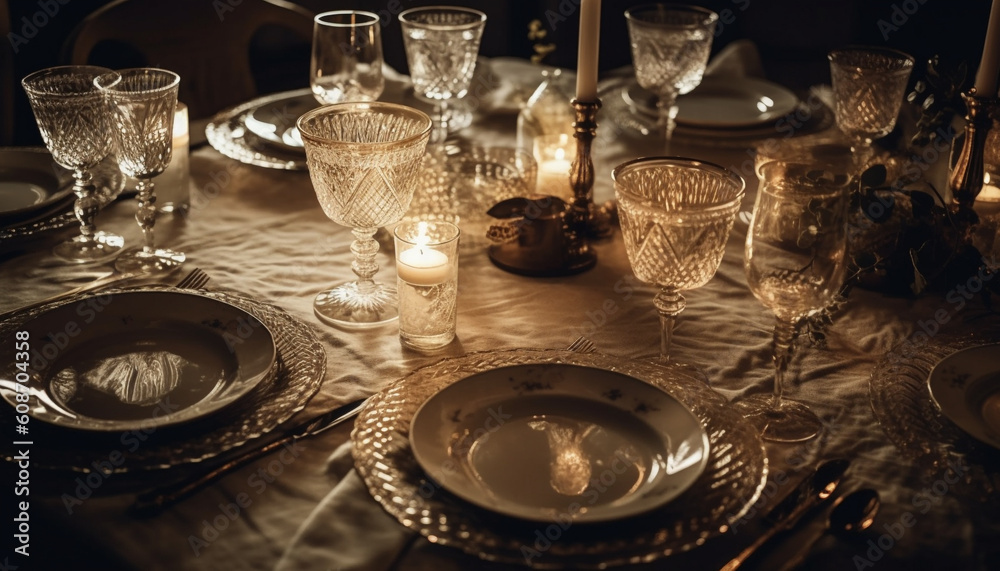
[[676, 214], [363, 160], [142, 103], [73, 120]]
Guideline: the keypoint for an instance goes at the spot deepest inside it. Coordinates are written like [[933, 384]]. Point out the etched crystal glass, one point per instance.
[[868, 87], [676, 215], [73, 120], [442, 43], [670, 49], [346, 62], [795, 265], [142, 104], [363, 160]]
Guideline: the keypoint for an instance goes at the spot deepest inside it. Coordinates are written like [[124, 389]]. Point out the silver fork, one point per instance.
[[582, 345], [196, 279]]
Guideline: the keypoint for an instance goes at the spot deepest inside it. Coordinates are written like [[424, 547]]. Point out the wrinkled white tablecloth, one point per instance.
[[261, 232]]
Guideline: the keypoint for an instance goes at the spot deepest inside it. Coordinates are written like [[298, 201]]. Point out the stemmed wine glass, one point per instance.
[[670, 49], [142, 103], [347, 57], [442, 43], [363, 160], [795, 265], [676, 215], [73, 120], [868, 87]]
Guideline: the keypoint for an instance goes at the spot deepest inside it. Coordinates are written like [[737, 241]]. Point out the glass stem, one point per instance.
[[669, 303], [440, 134], [146, 214], [666, 106], [86, 205], [364, 247], [784, 335]]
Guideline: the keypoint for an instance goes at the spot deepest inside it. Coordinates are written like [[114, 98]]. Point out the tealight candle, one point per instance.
[[553, 153], [427, 271], [173, 185]]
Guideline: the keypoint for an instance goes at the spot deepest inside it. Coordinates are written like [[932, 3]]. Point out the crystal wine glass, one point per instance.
[[142, 103], [670, 49], [346, 60], [363, 160], [868, 87], [72, 117], [442, 43], [795, 265], [675, 214]]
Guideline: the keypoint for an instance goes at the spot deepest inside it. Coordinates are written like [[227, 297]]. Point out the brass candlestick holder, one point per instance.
[[966, 178], [587, 219]]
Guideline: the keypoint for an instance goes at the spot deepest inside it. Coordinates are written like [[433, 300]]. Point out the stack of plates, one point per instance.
[[189, 373]]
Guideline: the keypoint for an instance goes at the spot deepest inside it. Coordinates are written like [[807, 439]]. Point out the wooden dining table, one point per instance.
[[259, 232]]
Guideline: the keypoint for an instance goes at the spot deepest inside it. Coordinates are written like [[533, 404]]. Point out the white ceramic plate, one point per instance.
[[549, 442], [722, 102], [966, 387], [30, 182], [132, 360], [274, 121]]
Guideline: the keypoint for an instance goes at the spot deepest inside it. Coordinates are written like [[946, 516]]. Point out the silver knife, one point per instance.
[[151, 502]]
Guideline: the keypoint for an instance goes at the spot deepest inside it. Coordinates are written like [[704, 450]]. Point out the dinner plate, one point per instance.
[[30, 182], [731, 482], [550, 441], [966, 387], [274, 121], [260, 141], [136, 360], [722, 102]]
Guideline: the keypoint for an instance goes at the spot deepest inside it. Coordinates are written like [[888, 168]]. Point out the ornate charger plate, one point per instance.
[[732, 480], [902, 403], [228, 131], [296, 376], [531, 441], [138, 360], [109, 181]]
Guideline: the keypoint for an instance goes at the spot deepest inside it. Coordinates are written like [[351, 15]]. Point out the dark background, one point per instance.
[[793, 37]]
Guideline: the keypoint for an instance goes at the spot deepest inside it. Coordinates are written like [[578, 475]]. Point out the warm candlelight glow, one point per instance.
[[552, 153]]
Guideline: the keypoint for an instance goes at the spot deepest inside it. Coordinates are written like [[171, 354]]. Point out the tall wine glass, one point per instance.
[[347, 57], [868, 87], [363, 160], [795, 265], [670, 48], [675, 214], [71, 115], [142, 103], [442, 43]]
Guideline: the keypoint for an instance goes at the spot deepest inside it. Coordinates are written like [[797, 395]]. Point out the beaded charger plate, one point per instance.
[[902, 403], [296, 375], [733, 476]]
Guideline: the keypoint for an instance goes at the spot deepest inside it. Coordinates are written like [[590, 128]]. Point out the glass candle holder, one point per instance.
[[427, 282], [554, 155], [173, 186]]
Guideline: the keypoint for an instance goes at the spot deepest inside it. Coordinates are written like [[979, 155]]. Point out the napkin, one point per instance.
[[348, 530]]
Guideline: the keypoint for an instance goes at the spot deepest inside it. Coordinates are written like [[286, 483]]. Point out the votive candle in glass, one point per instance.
[[427, 282]]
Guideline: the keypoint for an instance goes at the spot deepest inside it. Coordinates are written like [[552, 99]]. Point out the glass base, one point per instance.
[[99, 247], [426, 342], [347, 306], [792, 421], [158, 261], [683, 369]]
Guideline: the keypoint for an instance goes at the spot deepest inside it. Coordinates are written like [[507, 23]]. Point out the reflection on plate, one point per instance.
[[966, 387], [29, 171], [731, 482], [551, 441], [296, 376], [138, 360], [274, 121], [721, 102]]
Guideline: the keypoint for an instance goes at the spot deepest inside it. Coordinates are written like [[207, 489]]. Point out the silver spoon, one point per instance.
[[850, 514]]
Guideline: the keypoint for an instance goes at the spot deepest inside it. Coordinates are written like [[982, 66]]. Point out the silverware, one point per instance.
[[811, 492], [196, 279], [852, 513], [582, 345], [151, 502]]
